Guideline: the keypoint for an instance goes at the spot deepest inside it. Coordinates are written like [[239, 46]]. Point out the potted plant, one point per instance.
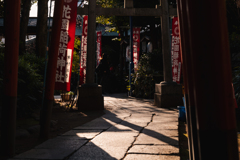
[[67, 96]]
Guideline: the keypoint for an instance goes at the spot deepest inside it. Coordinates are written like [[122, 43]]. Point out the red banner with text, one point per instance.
[[136, 47], [66, 46], [83, 62], [99, 46], [175, 51]]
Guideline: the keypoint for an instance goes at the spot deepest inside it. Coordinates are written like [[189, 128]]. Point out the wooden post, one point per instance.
[[8, 124], [46, 110], [212, 79]]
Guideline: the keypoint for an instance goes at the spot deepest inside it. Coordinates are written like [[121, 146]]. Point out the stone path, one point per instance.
[[131, 129]]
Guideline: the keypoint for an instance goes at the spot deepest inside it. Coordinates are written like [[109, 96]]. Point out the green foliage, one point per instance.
[[150, 71], [30, 78], [233, 18], [236, 83], [110, 3], [33, 1], [115, 22], [1, 67], [75, 63], [103, 20], [234, 40], [70, 92]]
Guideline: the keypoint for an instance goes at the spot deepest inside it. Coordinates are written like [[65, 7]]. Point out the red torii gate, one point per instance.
[[207, 74], [8, 123], [208, 79]]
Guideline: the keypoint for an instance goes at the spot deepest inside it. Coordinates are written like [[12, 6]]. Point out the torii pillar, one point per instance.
[[9, 107], [90, 93], [168, 94]]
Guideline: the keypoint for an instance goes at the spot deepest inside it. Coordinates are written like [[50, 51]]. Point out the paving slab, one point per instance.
[[116, 152], [150, 157], [83, 134], [72, 137], [126, 126], [153, 137], [167, 112], [164, 132], [154, 149], [133, 124], [100, 123], [165, 119], [109, 115], [165, 125], [139, 119], [138, 115], [114, 139], [53, 154], [57, 143], [91, 153], [120, 112]]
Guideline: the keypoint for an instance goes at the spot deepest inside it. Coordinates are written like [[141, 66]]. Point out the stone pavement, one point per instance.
[[131, 129]]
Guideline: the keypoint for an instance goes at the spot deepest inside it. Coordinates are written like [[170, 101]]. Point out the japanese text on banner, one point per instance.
[[66, 45], [99, 46], [136, 47], [83, 62], [175, 51]]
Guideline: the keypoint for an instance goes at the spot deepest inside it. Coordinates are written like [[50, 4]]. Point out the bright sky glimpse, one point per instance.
[[33, 11]]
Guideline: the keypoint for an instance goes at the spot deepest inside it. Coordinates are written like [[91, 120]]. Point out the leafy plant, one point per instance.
[[70, 92], [75, 63], [30, 78], [149, 72], [1, 71], [236, 83]]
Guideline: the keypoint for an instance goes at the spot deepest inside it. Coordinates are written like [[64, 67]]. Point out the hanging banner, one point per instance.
[[136, 47], [176, 58], [99, 46], [83, 62], [66, 46]]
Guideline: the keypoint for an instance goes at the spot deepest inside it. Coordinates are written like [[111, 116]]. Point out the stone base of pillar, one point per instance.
[[90, 97], [168, 95]]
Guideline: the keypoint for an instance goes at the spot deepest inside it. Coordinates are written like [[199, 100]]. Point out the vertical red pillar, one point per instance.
[[8, 125], [46, 110], [188, 81], [211, 87]]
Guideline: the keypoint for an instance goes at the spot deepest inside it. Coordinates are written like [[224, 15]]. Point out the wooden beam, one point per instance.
[[128, 11], [128, 3]]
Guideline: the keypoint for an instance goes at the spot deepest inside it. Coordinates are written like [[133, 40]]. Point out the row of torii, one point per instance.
[[206, 69]]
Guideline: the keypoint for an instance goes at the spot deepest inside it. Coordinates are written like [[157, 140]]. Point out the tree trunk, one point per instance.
[[26, 4], [41, 40]]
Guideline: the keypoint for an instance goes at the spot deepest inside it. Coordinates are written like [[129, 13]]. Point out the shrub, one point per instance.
[[149, 72], [30, 77], [30, 83]]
